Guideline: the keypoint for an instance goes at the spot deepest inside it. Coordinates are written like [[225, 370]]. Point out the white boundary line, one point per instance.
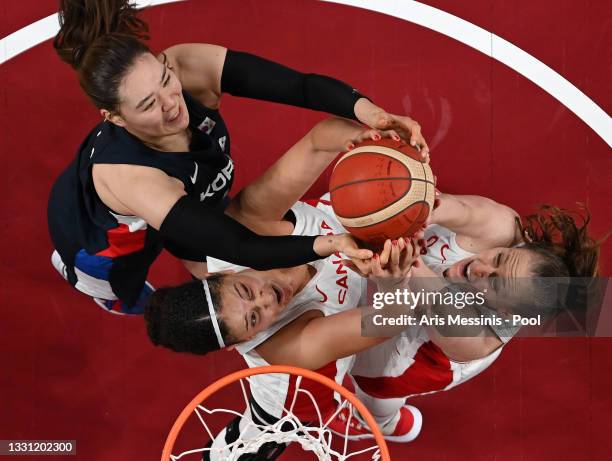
[[417, 13], [496, 48], [44, 29]]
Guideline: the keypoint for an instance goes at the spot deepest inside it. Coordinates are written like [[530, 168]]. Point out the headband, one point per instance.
[[213, 314]]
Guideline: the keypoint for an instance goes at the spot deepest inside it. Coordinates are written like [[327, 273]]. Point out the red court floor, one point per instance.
[[71, 371]]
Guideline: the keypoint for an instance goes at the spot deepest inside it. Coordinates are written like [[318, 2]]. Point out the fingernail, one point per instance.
[[412, 143]]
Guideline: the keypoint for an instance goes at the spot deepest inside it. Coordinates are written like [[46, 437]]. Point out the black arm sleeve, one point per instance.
[[250, 76], [194, 231]]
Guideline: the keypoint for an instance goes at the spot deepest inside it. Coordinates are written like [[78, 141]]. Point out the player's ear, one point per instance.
[[113, 117]]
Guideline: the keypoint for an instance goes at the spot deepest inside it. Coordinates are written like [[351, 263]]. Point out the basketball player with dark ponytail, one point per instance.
[[156, 172]]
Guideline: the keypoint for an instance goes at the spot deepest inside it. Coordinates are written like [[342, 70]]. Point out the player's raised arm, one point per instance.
[[312, 341], [207, 71], [268, 198], [476, 217]]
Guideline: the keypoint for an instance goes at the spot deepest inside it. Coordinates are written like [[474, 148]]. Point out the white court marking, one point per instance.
[[418, 13]]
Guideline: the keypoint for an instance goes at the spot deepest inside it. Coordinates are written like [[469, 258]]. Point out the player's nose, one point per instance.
[[169, 102], [267, 297], [480, 268]]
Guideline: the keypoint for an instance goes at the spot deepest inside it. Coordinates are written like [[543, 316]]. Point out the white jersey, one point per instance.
[[442, 252], [442, 249], [334, 288], [410, 364]]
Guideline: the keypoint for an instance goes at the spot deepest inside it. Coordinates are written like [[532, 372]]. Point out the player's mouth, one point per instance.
[[461, 270], [176, 116]]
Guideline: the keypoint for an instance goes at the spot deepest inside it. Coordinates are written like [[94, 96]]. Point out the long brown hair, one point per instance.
[[100, 39], [561, 238]]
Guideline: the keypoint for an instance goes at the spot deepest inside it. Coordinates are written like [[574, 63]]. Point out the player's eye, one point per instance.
[[167, 80], [498, 259], [148, 106], [253, 318]]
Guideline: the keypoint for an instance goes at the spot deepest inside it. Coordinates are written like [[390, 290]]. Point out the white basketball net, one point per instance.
[[316, 437]]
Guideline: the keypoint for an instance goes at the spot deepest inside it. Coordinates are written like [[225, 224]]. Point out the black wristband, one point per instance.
[[194, 231], [250, 76]]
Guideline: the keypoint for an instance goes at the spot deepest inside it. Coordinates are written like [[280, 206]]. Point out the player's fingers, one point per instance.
[[373, 134], [401, 243], [363, 268], [393, 135], [416, 139], [377, 270], [424, 149], [357, 253], [403, 266], [385, 253], [416, 249], [395, 255], [407, 254]]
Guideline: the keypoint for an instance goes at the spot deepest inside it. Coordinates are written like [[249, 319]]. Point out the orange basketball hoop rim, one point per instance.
[[280, 369]]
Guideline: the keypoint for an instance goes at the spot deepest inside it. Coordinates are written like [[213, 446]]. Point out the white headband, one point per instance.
[[213, 315]]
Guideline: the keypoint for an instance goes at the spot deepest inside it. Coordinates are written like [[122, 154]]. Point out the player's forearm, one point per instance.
[[452, 212], [254, 77], [330, 338]]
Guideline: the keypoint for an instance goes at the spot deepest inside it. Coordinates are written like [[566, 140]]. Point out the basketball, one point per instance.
[[382, 190]]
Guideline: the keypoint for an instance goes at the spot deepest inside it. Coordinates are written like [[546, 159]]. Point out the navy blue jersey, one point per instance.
[[108, 255]]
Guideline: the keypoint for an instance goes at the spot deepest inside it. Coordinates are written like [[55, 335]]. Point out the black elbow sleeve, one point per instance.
[[250, 76], [194, 231]]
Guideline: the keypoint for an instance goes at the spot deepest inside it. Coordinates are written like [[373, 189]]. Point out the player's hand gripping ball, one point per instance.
[[382, 190]]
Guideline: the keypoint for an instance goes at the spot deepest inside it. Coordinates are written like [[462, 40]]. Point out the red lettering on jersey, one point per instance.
[[321, 293], [342, 296], [444, 247], [340, 269], [432, 240], [324, 225], [342, 282]]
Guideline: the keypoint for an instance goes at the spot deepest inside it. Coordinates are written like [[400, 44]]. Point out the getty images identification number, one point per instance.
[[47, 447]]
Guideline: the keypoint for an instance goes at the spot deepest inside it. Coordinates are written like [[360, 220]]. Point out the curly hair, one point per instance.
[[561, 238], [178, 318]]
